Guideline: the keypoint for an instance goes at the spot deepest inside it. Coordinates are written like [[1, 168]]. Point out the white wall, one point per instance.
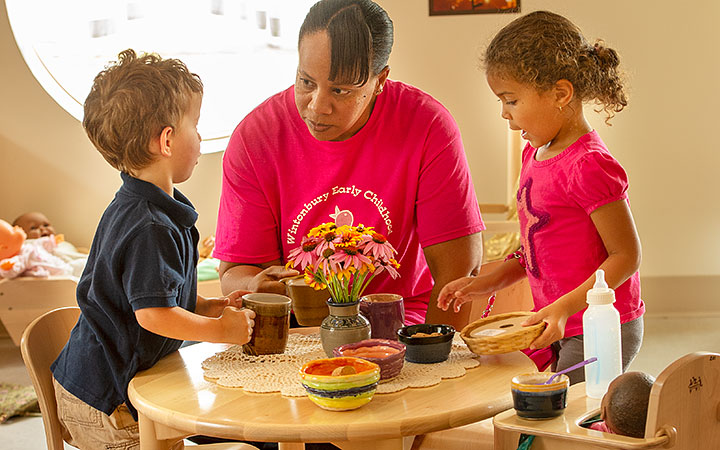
[[664, 138]]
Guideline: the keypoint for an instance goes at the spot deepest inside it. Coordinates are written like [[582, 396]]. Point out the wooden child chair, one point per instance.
[[683, 414], [40, 345]]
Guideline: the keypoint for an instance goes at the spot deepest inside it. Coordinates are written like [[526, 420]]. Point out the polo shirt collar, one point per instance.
[[177, 207]]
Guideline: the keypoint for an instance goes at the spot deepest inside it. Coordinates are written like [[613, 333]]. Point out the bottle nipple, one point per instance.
[[600, 294], [600, 280]]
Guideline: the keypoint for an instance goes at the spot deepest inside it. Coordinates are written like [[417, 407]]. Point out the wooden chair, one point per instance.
[[40, 345], [683, 414]]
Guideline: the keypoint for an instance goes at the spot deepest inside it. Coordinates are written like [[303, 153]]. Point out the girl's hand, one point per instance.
[[555, 316], [237, 325], [214, 306], [464, 290]]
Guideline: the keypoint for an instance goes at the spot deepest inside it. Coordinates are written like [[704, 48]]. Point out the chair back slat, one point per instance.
[[686, 396], [41, 343]]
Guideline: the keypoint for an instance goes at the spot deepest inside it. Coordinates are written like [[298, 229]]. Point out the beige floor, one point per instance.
[[666, 339]]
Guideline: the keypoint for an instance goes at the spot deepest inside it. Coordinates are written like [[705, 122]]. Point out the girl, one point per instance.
[[572, 199]]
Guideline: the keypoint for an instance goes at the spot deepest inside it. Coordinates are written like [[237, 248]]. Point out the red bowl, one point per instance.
[[389, 355]]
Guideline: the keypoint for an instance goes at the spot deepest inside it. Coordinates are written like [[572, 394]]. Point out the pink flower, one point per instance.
[[329, 265], [304, 255], [378, 247], [391, 266], [351, 257], [326, 242]]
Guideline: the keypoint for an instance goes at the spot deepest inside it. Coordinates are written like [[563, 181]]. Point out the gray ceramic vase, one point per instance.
[[344, 325]]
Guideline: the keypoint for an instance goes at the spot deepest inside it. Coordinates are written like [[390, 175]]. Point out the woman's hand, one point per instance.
[[268, 280], [463, 290], [263, 277], [237, 325], [214, 306], [555, 315]]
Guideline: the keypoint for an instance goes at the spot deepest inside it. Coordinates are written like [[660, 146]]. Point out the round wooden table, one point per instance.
[[174, 401]]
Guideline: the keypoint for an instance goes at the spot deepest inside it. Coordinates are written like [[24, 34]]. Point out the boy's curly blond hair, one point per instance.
[[131, 101]]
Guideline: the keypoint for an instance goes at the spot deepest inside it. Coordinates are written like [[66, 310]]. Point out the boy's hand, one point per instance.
[[237, 325], [214, 306], [235, 298], [463, 290], [555, 316]]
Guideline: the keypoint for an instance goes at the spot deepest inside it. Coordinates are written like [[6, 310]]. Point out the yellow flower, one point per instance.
[[347, 236], [313, 282], [322, 229]]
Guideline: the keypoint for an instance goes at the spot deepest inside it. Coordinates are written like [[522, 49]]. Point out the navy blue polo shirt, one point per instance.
[[144, 255]]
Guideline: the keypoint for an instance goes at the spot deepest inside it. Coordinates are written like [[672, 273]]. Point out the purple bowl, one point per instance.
[[390, 365]]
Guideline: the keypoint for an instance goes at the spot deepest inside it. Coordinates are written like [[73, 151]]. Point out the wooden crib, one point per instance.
[[23, 299], [683, 414]]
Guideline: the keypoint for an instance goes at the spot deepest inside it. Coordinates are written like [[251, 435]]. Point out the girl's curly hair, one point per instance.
[[542, 47]]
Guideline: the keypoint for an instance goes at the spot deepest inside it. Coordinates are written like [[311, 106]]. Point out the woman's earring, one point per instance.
[[560, 108], [380, 89]]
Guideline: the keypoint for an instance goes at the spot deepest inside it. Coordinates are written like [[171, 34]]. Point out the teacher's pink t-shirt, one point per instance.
[[561, 244], [404, 173]]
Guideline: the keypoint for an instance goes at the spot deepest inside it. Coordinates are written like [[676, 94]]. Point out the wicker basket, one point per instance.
[[496, 340]]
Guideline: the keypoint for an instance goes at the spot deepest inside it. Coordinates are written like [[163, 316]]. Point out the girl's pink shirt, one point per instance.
[[561, 244]]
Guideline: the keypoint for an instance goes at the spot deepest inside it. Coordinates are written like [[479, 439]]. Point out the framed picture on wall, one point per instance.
[[447, 7]]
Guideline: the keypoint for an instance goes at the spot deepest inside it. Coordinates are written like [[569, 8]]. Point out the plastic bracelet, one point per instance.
[[489, 307], [516, 255]]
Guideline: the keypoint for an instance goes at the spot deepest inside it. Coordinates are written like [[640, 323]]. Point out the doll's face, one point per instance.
[[11, 239], [35, 224]]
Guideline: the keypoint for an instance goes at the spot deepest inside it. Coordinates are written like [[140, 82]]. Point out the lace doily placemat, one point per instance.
[[279, 373]]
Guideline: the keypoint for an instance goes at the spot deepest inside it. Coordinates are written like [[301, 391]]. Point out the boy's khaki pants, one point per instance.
[[88, 428]]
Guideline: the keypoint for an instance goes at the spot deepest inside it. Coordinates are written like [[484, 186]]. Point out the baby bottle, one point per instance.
[[601, 338]]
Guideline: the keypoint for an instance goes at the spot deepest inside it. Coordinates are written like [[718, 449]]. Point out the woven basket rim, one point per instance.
[[503, 343], [467, 329]]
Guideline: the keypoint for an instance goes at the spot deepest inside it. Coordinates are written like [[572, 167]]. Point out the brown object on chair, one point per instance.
[[41, 343], [683, 413]]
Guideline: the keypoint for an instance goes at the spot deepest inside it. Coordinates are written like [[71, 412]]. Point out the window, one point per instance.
[[244, 50]]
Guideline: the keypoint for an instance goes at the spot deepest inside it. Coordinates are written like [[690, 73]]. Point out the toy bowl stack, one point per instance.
[[340, 384], [389, 355]]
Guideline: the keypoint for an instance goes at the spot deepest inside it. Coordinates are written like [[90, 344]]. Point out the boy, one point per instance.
[[138, 293]]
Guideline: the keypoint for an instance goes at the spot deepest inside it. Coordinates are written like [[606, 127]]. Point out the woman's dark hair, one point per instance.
[[542, 47], [361, 37]]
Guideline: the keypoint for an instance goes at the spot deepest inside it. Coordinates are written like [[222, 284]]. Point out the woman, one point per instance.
[[345, 141]]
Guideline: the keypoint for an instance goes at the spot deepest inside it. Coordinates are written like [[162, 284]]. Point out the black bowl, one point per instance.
[[426, 349]]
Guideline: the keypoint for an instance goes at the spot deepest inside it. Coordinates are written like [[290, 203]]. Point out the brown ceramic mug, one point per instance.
[[272, 322], [386, 313], [308, 305]]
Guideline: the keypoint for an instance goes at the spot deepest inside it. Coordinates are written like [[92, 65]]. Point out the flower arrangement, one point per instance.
[[343, 259]]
